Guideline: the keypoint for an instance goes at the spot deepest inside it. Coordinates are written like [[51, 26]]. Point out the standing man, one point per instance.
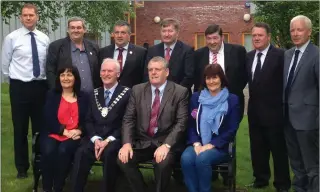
[[131, 57], [77, 51], [265, 114], [153, 127], [103, 128], [23, 61], [178, 55], [232, 59], [301, 106]]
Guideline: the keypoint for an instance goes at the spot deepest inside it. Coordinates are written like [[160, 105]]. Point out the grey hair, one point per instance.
[[123, 23], [77, 19], [161, 60], [114, 61], [306, 20]]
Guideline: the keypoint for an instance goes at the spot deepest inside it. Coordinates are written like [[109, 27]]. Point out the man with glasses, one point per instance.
[[131, 57]]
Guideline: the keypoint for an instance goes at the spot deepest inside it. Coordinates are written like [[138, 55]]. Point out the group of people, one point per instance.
[[123, 104]]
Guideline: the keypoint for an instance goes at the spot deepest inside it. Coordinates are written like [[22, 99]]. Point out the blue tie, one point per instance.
[[35, 57], [106, 96]]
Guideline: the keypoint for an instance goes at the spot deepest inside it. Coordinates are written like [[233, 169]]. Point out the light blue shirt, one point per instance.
[[301, 49], [161, 89], [112, 138], [171, 48], [17, 54]]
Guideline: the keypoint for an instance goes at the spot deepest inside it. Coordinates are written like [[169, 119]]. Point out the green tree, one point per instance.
[[98, 14], [278, 15]]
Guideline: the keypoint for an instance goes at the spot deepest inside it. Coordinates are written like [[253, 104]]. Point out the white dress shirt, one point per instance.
[[301, 49], [17, 54], [161, 91], [111, 138], [262, 58], [171, 48], [220, 56], [124, 54]]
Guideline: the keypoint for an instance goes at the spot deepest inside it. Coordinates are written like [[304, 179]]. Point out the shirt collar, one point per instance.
[[74, 48], [111, 89], [161, 88], [264, 52], [125, 47], [26, 31], [303, 47], [171, 46]]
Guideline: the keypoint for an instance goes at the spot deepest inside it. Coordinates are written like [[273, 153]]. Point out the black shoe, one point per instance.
[[257, 185], [282, 190], [22, 175]]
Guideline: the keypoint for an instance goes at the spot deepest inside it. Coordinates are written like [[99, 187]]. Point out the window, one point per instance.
[[200, 40], [247, 41]]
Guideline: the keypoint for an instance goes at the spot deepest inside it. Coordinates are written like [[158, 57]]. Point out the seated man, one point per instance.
[[153, 126], [102, 129]]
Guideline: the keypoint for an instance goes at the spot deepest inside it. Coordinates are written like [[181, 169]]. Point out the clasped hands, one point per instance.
[[99, 146], [126, 152], [73, 134], [199, 149]]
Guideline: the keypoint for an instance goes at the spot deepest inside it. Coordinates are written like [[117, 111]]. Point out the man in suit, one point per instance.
[[23, 61], [265, 114], [153, 127], [102, 129], [232, 59], [131, 57], [77, 51], [178, 54], [301, 105]]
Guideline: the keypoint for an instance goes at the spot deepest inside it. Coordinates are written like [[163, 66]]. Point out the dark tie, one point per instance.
[[107, 98], [289, 82], [167, 56], [35, 57], [120, 57], [154, 114], [257, 71]]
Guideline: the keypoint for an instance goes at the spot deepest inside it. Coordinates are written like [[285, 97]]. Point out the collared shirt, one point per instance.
[[81, 61], [262, 58], [301, 49], [112, 89], [220, 56], [17, 54], [124, 53], [171, 48], [161, 89]]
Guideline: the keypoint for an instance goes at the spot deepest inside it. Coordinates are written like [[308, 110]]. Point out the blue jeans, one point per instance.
[[197, 169]]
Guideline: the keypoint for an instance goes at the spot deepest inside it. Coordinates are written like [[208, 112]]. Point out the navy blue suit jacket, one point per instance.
[[52, 124], [228, 127]]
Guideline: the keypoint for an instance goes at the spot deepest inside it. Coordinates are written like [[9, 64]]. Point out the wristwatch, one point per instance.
[[168, 146]]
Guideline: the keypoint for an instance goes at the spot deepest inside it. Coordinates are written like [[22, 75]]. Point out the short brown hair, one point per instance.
[[170, 21], [30, 6], [262, 25], [213, 70], [213, 29]]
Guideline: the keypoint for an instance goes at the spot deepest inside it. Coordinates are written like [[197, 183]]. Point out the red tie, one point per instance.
[[154, 114], [167, 56], [120, 49], [215, 59]]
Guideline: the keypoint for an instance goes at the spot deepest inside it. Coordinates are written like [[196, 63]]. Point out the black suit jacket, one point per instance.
[[59, 55], [265, 92], [235, 69], [51, 108], [110, 125], [181, 65], [133, 70]]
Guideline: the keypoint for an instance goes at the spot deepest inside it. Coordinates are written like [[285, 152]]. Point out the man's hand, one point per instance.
[[206, 147], [102, 146], [125, 152], [161, 153], [97, 148]]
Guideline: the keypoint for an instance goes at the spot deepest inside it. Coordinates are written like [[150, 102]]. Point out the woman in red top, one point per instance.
[[65, 111]]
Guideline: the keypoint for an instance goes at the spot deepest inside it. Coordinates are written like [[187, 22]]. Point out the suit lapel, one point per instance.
[[148, 101], [130, 60], [89, 54], [115, 94], [101, 99], [264, 67], [227, 58], [167, 93], [205, 58], [249, 66], [288, 58], [176, 52], [160, 49]]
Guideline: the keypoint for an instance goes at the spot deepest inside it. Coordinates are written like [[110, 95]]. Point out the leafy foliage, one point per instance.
[[278, 15]]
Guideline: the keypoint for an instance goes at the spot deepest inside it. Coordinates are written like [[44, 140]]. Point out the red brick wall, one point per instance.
[[194, 16]]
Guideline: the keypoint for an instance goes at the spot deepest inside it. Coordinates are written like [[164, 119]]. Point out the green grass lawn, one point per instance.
[[9, 183]]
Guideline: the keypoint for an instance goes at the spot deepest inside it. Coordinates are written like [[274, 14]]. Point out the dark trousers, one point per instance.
[[84, 159], [303, 151], [162, 170], [27, 101], [263, 140], [56, 160]]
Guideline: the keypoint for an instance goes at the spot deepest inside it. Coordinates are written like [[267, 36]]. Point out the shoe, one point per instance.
[[257, 185], [282, 190], [22, 175]]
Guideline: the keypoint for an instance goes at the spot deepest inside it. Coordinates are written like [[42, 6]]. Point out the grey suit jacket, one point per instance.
[[303, 100], [172, 118]]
